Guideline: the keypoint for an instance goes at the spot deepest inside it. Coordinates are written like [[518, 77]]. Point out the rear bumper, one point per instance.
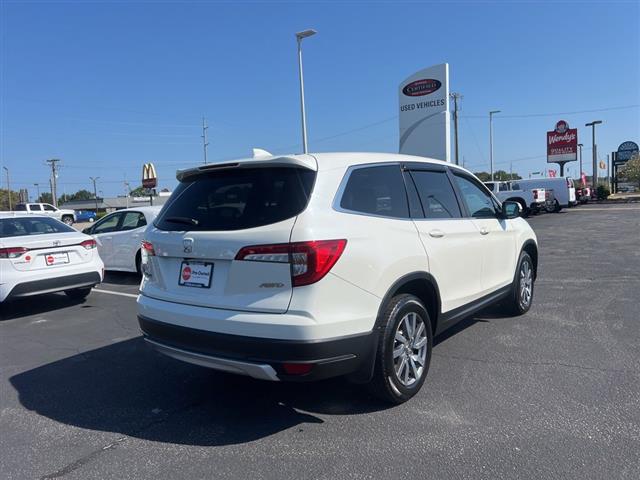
[[263, 358], [54, 284]]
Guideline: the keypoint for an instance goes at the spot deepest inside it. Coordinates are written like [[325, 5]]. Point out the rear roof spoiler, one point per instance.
[[306, 161]]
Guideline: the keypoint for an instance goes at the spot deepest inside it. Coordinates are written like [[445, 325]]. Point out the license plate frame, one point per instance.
[[56, 258], [186, 278]]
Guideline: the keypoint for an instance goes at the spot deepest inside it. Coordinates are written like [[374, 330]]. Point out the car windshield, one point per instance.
[[17, 227], [237, 199]]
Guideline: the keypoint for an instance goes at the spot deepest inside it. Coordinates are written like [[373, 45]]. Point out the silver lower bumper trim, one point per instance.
[[255, 370]]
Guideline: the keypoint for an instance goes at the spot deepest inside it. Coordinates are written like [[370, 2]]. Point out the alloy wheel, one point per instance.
[[526, 284], [410, 349]]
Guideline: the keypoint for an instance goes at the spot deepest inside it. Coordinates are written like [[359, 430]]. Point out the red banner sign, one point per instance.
[[562, 144]]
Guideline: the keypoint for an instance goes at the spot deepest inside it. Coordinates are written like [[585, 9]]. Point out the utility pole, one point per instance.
[[127, 192], [95, 193], [594, 152], [580, 173], [8, 187], [205, 143], [54, 176], [37, 185], [455, 97], [491, 138]]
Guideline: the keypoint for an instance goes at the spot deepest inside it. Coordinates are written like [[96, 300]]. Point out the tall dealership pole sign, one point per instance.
[[149, 179], [626, 151], [562, 145], [424, 113]]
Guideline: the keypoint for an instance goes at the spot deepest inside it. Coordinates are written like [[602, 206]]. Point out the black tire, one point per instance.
[[386, 383], [557, 207], [67, 220], [519, 302], [78, 293]]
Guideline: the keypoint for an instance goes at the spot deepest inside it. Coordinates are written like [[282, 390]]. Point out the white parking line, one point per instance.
[[122, 294]]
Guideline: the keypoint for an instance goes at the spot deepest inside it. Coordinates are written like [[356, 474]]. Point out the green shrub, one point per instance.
[[603, 192]]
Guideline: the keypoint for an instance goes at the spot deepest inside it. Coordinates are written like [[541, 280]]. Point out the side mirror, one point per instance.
[[510, 209]]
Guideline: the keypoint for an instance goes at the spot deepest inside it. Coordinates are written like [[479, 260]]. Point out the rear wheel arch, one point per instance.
[[420, 284], [532, 249]]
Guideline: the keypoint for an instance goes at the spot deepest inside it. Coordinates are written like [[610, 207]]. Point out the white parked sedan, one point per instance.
[[119, 237], [42, 255]]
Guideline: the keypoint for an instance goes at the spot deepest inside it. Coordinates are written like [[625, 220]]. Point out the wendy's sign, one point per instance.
[[562, 144]]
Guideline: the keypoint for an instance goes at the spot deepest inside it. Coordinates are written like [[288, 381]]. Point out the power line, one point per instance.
[[531, 115]]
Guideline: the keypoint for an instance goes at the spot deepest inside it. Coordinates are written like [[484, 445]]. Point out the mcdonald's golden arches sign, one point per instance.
[[149, 177]]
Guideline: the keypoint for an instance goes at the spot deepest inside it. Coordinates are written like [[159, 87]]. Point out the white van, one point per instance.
[[563, 189]]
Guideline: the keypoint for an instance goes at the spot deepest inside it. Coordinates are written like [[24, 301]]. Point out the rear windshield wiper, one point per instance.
[[183, 220]]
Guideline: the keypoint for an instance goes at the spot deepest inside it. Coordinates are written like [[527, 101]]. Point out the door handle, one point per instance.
[[483, 231], [436, 233]]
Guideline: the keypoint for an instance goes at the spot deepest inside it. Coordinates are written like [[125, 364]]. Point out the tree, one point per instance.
[[138, 192], [631, 170], [4, 199], [79, 195], [498, 175], [45, 197]]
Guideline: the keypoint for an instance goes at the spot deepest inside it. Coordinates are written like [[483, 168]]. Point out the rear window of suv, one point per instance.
[[237, 199]]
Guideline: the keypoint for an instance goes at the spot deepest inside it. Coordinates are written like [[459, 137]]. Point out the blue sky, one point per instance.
[[107, 86]]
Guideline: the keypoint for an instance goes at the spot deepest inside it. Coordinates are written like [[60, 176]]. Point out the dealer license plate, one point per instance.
[[195, 274], [56, 258]]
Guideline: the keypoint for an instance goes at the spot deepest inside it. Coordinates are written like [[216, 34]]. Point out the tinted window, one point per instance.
[[238, 198], [436, 194], [133, 220], [107, 224], [478, 200], [35, 207], [49, 208], [377, 191], [21, 207], [15, 227]]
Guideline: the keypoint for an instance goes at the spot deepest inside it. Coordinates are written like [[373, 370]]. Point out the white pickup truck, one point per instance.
[[66, 216], [531, 201]]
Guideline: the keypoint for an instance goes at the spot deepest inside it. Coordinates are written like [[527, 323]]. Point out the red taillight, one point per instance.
[[297, 368], [310, 261], [12, 252], [147, 247], [89, 244]]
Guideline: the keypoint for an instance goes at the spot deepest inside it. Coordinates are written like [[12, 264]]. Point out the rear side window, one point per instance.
[[436, 194], [237, 199], [16, 227], [376, 191], [21, 207]]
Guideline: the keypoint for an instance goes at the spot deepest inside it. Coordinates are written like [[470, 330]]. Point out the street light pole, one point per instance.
[[580, 173], [299, 37], [8, 187], [95, 193], [594, 180], [491, 138]]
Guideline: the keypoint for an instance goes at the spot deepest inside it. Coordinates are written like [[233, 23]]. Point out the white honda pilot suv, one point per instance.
[[311, 266]]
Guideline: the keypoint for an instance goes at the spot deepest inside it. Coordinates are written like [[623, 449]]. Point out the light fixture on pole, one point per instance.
[[594, 180], [8, 187], [491, 113], [299, 37]]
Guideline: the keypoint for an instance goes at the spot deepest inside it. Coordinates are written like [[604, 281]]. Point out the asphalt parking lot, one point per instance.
[[552, 394]]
